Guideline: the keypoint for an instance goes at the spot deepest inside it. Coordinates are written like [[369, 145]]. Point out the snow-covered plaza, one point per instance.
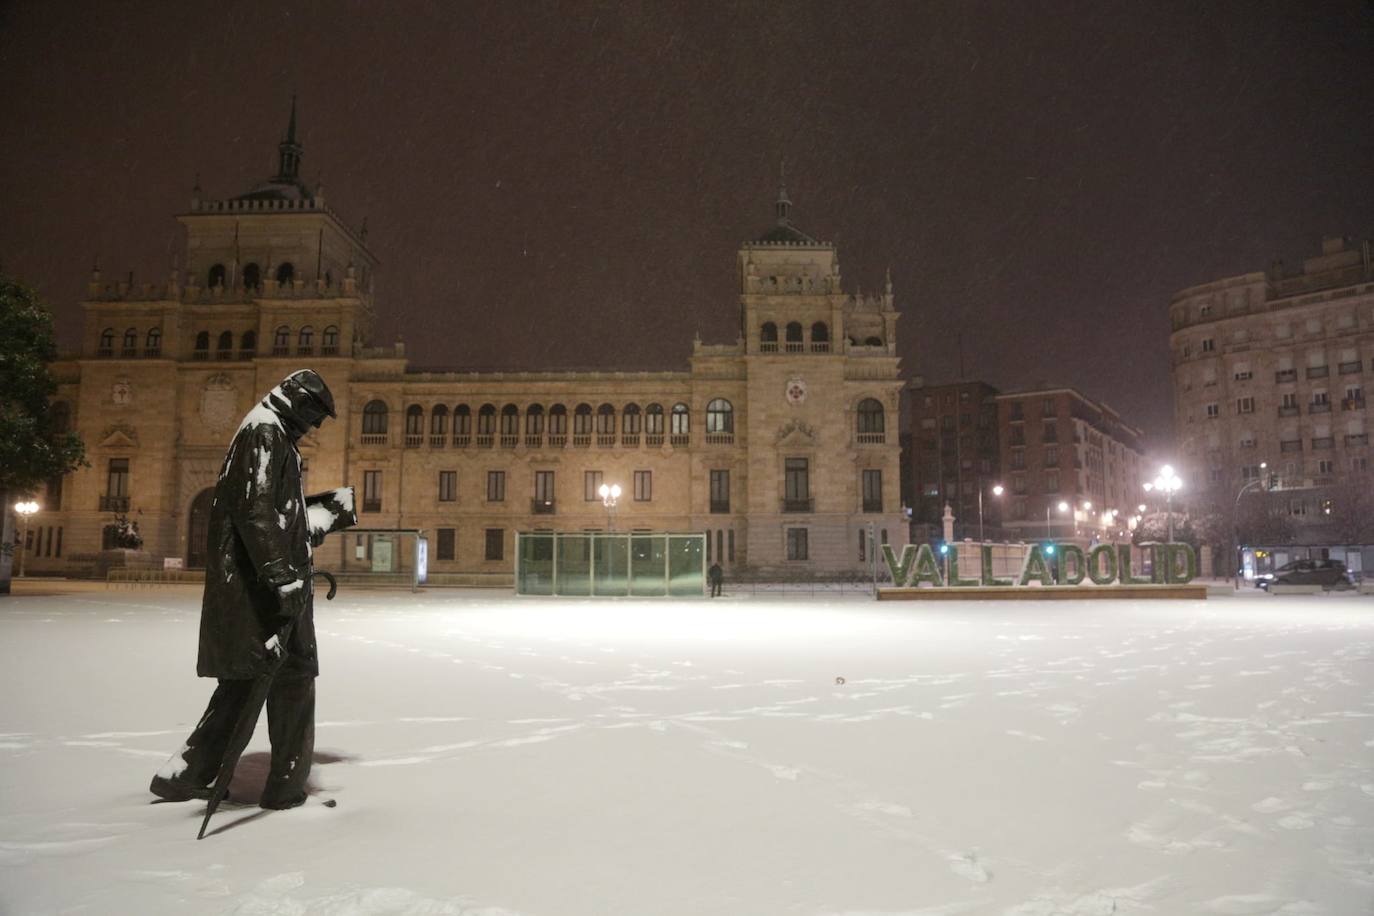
[[746, 756]]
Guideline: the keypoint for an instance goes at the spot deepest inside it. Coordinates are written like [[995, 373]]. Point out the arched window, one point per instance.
[[248, 344], [769, 332], [216, 276], [202, 350], [486, 420], [558, 420], [152, 344], [871, 419], [329, 341], [107, 342], [305, 341], [794, 332], [720, 417], [820, 332], [462, 424], [510, 421], [582, 420], [415, 425], [131, 342], [605, 420], [224, 347], [653, 420], [682, 420], [534, 420], [286, 272], [438, 420], [629, 422], [252, 275], [281, 341], [873, 342], [374, 419]]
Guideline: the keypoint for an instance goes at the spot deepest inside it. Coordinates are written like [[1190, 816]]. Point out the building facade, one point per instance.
[[782, 446], [954, 457], [1071, 466], [1269, 373]]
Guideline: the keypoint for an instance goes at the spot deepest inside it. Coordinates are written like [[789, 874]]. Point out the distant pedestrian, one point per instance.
[[715, 575]]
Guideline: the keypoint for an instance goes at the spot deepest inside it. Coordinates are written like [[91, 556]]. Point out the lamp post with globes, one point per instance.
[[25, 509], [996, 491], [610, 495], [1169, 483]]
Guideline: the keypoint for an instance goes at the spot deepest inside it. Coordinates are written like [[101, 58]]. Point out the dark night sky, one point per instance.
[[566, 185]]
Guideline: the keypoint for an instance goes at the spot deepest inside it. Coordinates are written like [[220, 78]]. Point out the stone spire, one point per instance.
[[289, 152], [783, 206]]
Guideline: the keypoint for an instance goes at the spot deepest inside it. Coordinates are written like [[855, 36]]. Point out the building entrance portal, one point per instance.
[[198, 529]]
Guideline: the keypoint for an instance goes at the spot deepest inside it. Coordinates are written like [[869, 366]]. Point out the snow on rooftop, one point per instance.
[[498, 756]]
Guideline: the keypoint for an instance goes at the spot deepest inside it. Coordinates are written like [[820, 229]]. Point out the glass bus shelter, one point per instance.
[[610, 564]]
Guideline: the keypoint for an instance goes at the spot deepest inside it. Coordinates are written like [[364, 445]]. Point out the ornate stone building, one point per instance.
[[1269, 369], [781, 446]]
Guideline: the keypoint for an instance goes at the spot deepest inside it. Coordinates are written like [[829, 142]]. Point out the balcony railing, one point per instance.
[[1319, 407], [129, 352], [152, 352], [414, 440], [224, 355], [720, 438], [509, 441], [542, 507], [200, 355], [1290, 445], [114, 504], [1286, 375], [1352, 404], [794, 346], [1323, 442], [305, 351], [630, 440], [1357, 439], [797, 505], [534, 441], [872, 438], [372, 505], [1288, 411], [329, 350], [582, 440], [768, 346], [104, 352], [558, 440], [484, 440], [873, 505], [438, 441], [677, 439], [281, 351], [605, 440], [1349, 368], [462, 440], [720, 506], [653, 440], [1318, 371], [247, 354], [820, 346]]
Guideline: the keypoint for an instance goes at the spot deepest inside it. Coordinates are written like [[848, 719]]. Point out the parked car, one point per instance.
[[1262, 580], [1329, 574]]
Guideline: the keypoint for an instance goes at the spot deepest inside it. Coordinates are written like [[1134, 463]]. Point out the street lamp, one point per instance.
[[609, 496], [1245, 487], [1169, 482], [996, 491], [1063, 507], [25, 509]]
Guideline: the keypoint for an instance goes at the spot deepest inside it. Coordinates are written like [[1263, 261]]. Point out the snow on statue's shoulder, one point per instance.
[[260, 415]]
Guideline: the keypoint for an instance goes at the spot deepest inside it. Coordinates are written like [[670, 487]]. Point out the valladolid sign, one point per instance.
[[1046, 564]]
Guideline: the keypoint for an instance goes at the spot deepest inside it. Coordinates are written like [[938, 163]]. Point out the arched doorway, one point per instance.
[[198, 529]]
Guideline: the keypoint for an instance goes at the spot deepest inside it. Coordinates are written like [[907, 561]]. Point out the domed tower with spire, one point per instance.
[[822, 382]]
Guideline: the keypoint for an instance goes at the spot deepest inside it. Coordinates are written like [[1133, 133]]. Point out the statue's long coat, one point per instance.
[[259, 542]]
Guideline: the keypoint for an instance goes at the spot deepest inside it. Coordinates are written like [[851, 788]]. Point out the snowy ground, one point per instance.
[[500, 756]]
